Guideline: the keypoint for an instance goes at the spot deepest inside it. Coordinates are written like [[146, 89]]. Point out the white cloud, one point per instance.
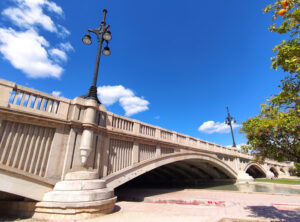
[[111, 94], [24, 47], [63, 32], [216, 127], [130, 103], [27, 51], [66, 46], [30, 12], [52, 6], [58, 54], [56, 93], [133, 105]]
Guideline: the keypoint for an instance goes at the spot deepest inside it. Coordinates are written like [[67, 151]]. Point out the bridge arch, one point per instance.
[[283, 171], [255, 170], [118, 178], [274, 171]]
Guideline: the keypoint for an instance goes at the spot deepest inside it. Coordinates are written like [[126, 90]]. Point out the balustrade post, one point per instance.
[[136, 128], [6, 89], [109, 121], [157, 133], [174, 137]]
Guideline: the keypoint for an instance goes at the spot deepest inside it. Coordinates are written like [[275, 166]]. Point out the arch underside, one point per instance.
[[282, 171], [256, 171], [274, 171], [185, 173], [21, 186], [175, 170]]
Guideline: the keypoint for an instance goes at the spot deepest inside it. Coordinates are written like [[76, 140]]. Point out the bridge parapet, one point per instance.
[[140, 130], [120, 124], [21, 98]]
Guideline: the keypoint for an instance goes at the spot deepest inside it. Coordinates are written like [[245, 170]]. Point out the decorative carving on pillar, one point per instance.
[[86, 145], [87, 134]]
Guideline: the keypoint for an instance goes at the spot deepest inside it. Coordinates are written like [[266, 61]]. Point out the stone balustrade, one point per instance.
[[21, 98], [125, 125]]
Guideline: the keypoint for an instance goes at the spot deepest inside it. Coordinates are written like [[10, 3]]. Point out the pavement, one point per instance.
[[191, 205], [202, 205]]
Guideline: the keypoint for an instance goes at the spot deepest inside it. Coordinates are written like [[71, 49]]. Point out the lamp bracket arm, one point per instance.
[[95, 31], [105, 29]]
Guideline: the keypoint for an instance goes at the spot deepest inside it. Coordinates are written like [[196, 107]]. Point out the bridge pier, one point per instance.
[[81, 195], [243, 177], [270, 175]]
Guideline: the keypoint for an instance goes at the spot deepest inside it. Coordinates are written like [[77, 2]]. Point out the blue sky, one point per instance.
[[175, 64]]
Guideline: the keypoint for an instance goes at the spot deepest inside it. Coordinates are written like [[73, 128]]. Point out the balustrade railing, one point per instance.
[[33, 101], [147, 130], [193, 141], [181, 139], [165, 135], [123, 124]]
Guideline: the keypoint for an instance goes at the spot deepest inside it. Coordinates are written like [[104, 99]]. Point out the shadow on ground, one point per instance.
[[116, 209], [3, 218], [274, 214], [139, 194]]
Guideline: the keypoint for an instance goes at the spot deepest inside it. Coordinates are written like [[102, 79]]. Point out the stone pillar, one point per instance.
[[88, 134], [81, 194], [243, 177], [269, 174], [286, 170], [280, 173]]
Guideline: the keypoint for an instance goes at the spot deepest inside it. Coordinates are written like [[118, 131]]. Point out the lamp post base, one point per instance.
[[92, 94], [81, 195]]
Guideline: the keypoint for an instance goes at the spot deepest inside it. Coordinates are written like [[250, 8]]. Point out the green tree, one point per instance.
[[288, 52], [275, 132]]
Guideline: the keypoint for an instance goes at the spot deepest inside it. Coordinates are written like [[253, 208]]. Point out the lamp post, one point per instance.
[[228, 121], [103, 34]]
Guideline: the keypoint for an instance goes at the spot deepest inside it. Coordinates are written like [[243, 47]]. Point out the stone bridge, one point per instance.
[[69, 155]]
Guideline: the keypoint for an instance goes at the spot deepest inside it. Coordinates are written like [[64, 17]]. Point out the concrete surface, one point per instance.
[[212, 206], [203, 205]]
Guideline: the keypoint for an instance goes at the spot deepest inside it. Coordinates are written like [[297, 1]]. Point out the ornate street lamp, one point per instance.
[[228, 120], [103, 34]]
